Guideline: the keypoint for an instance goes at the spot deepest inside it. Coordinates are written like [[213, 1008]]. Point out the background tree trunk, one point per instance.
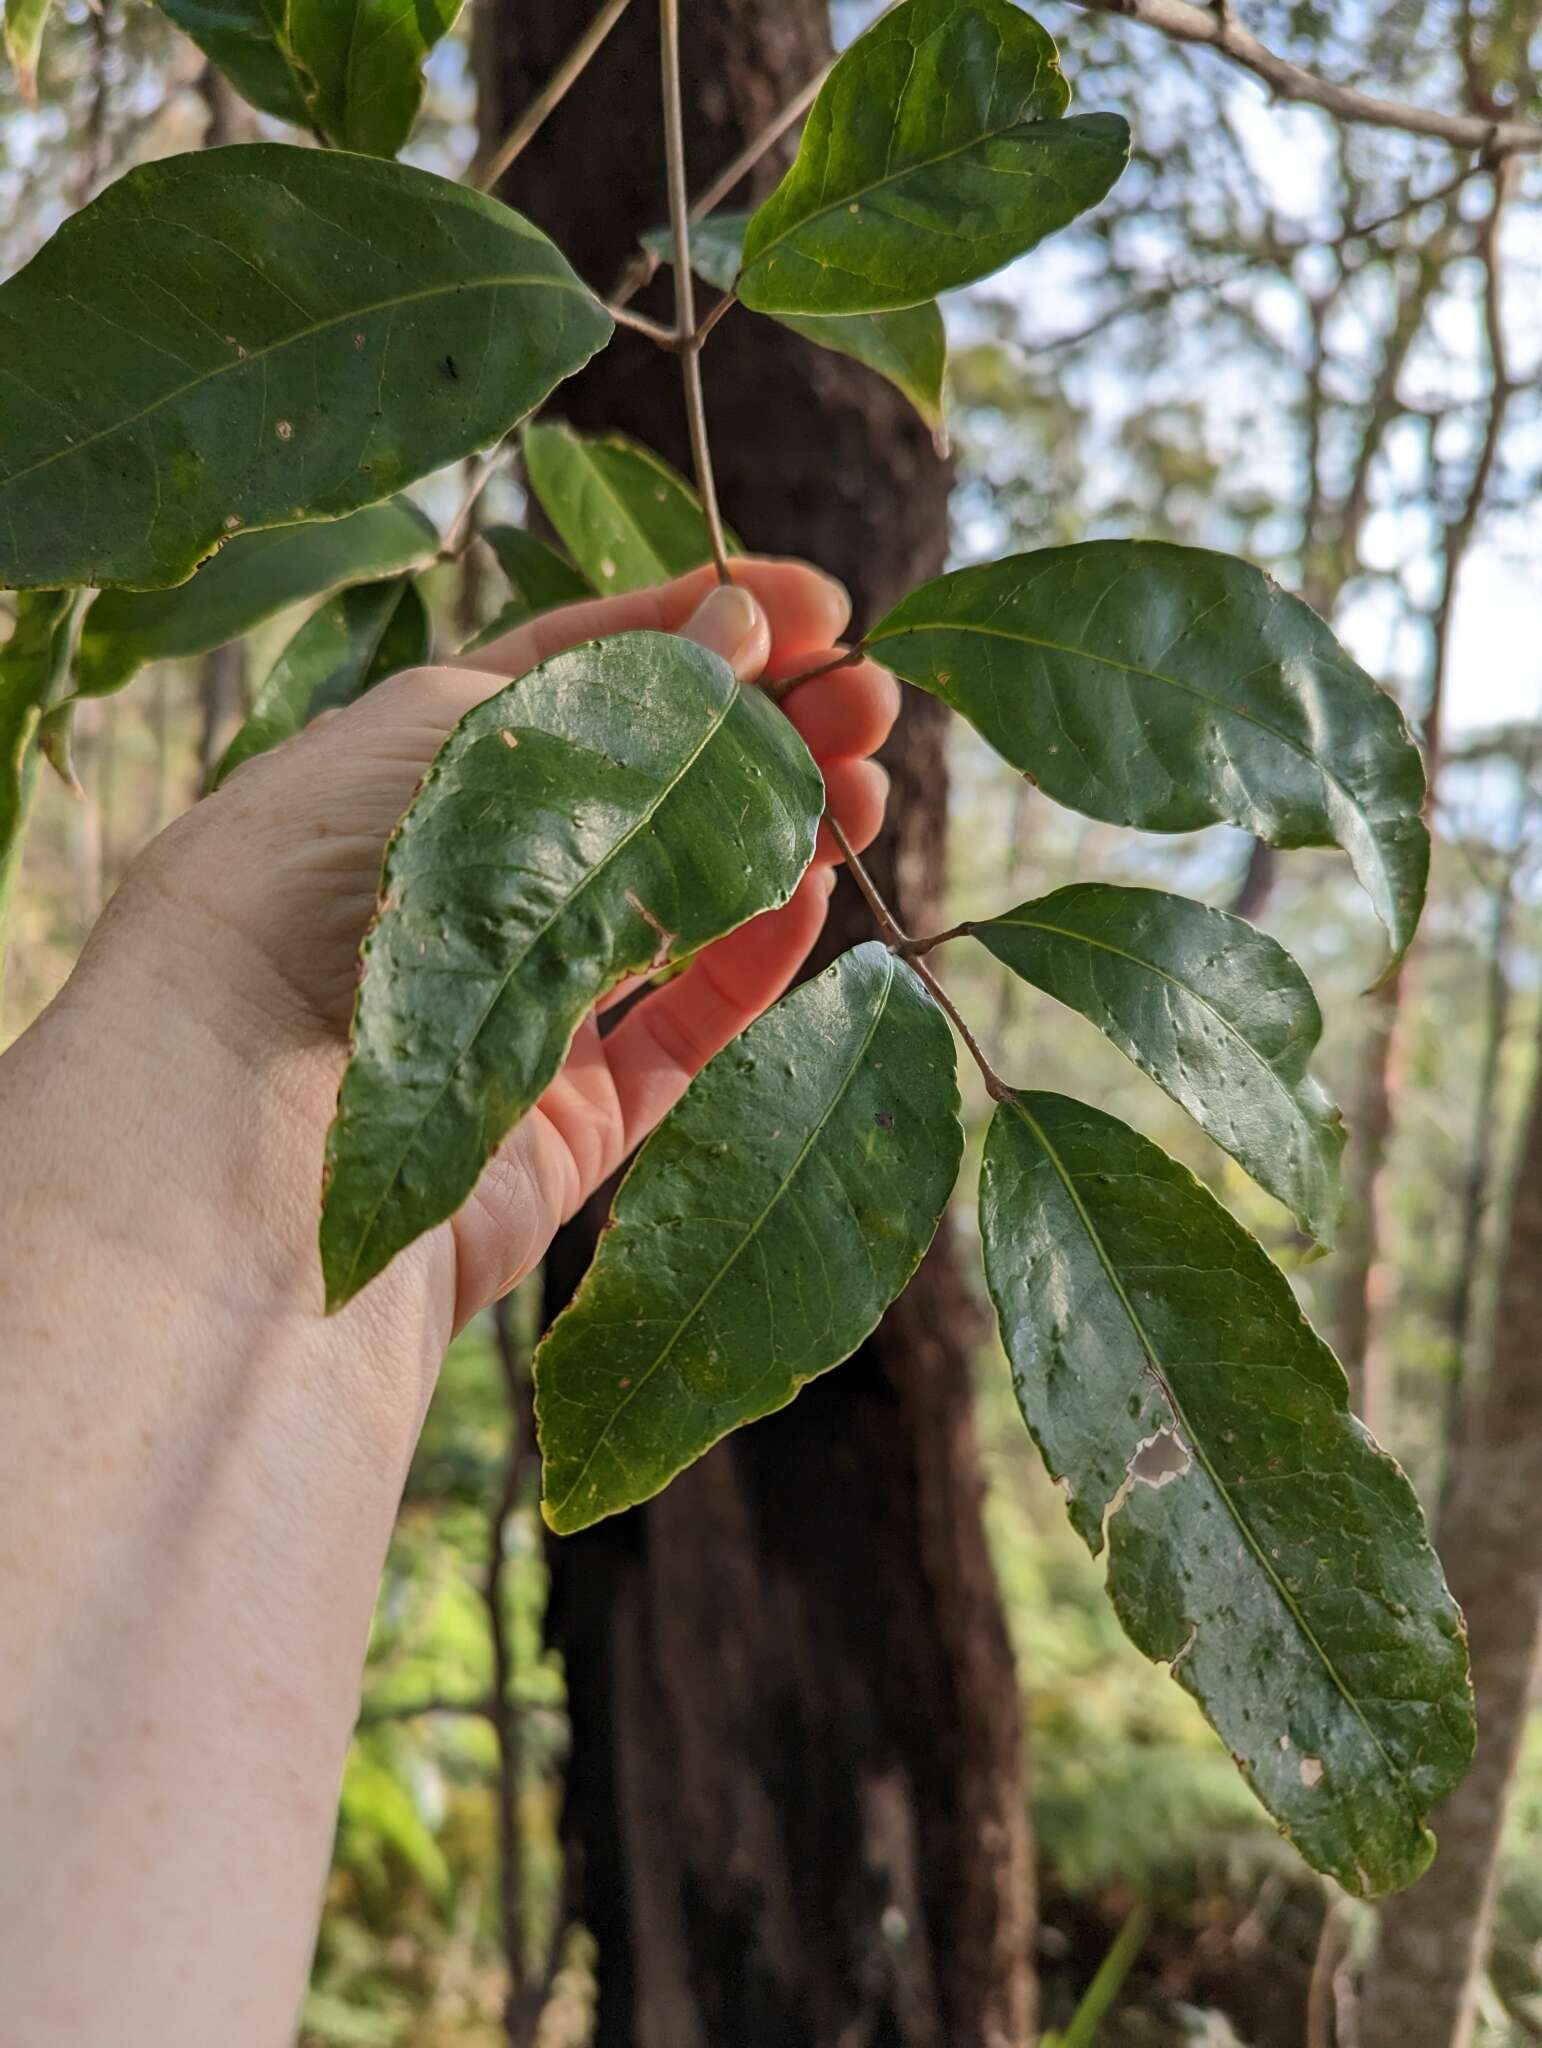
[[795, 1809], [1422, 1986]]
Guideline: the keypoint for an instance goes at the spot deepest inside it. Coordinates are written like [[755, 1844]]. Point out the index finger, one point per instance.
[[806, 610]]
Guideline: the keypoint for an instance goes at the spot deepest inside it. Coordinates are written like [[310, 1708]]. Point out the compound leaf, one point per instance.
[[910, 348], [1214, 1011], [934, 154], [1260, 1542], [329, 363], [764, 1229], [625, 516], [1171, 688], [624, 801], [356, 639], [249, 580]]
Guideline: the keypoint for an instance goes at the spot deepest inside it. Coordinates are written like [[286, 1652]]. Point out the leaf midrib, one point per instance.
[[1132, 668], [469, 1043], [627, 515], [1015, 923], [860, 192], [880, 1006], [1195, 1442], [258, 355]]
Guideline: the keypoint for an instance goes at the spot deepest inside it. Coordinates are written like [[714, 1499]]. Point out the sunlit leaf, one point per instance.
[[1170, 688], [357, 639], [766, 1226], [623, 802], [934, 154], [625, 516], [248, 581], [1215, 1012], [1260, 1542], [330, 362], [910, 348]]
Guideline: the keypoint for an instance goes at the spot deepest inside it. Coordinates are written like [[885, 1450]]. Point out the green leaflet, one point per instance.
[[361, 65], [351, 70], [540, 578], [624, 802], [764, 1229], [910, 348], [246, 39], [934, 154], [24, 21], [330, 365], [1171, 688], [248, 581], [625, 516], [1268, 1551], [1215, 1012], [32, 664], [357, 639]]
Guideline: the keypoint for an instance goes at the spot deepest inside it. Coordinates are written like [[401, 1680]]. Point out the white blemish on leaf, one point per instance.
[[1311, 1771]]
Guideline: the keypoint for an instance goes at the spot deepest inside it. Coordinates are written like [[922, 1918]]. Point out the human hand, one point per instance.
[[272, 881]]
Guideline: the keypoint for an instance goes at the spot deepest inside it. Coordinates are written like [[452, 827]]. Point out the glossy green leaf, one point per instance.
[[246, 40], [625, 516], [1171, 688], [934, 154], [360, 65], [910, 348], [32, 664], [1214, 1011], [764, 1229], [24, 22], [330, 364], [350, 70], [622, 803], [356, 639], [1260, 1542], [248, 581], [540, 577]]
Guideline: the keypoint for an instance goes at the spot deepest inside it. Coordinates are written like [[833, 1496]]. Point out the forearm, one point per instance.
[[197, 1482]]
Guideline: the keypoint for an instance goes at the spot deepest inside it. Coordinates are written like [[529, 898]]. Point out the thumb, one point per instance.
[[730, 621]]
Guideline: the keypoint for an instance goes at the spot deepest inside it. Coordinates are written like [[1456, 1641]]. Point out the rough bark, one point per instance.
[[795, 1808], [1422, 1986]]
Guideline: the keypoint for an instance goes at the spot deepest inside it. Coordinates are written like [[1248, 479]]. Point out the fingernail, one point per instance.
[[730, 621]]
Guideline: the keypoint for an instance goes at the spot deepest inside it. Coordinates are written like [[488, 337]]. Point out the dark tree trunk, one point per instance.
[[795, 1811], [1421, 1992]]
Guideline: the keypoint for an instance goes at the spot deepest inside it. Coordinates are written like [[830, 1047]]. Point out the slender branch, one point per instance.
[[910, 950], [728, 299], [551, 95], [1183, 21], [685, 296], [741, 165], [457, 532], [666, 337], [783, 686]]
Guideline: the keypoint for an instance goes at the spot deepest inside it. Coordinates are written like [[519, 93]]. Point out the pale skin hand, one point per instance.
[[198, 1471]]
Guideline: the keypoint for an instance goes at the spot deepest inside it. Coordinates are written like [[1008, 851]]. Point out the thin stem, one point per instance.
[[784, 686], [756, 147], [910, 950], [728, 299], [551, 95], [640, 323], [685, 297], [457, 532], [505, 1709]]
